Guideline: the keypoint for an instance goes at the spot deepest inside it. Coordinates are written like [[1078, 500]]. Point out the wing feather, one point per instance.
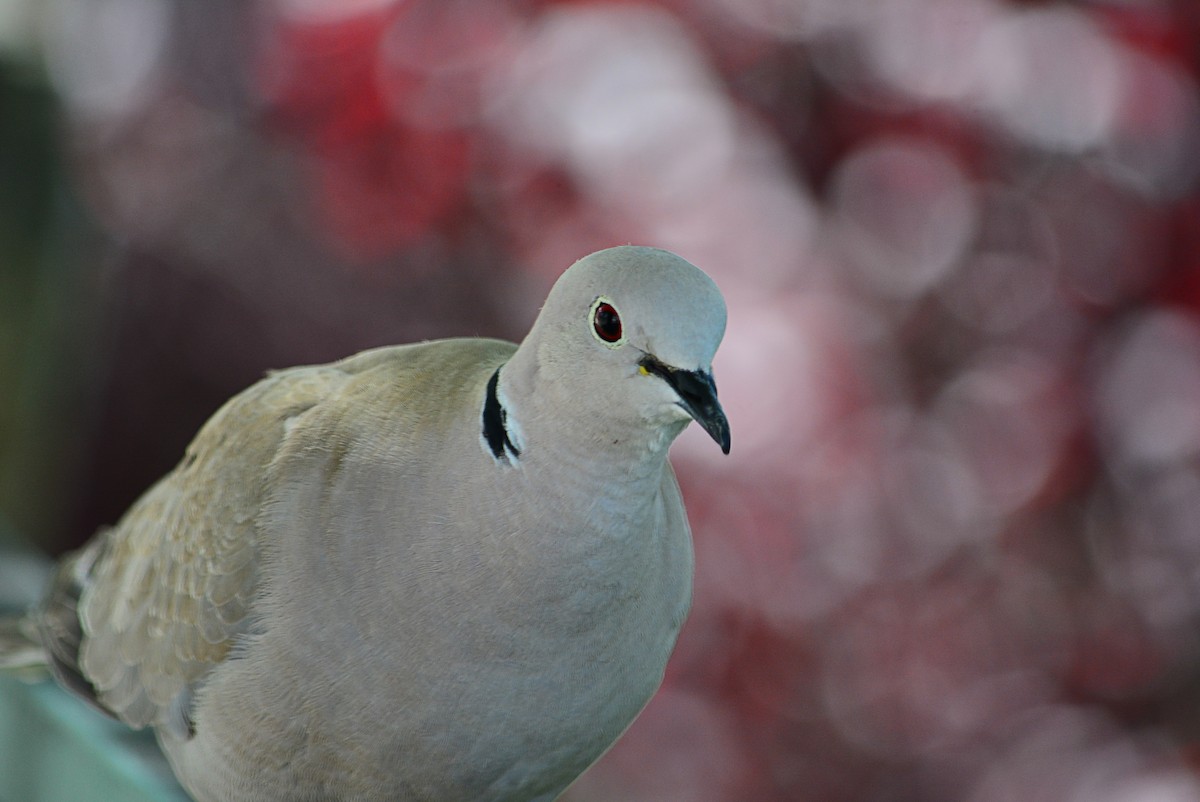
[[137, 619], [139, 616]]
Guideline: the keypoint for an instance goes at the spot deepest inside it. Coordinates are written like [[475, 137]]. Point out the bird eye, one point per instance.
[[606, 322]]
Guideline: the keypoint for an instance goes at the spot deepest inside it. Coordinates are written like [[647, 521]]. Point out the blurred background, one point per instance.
[[955, 552]]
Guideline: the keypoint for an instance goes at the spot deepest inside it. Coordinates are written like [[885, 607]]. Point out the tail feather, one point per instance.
[[21, 650], [47, 640], [58, 626], [23, 574]]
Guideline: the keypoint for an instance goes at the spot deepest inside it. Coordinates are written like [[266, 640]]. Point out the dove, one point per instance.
[[451, 570]]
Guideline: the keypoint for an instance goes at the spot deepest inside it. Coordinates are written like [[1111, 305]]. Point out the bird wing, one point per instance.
[[143, 612]]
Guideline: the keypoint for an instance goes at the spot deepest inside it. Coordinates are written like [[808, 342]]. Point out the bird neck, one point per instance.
[[624, 455]]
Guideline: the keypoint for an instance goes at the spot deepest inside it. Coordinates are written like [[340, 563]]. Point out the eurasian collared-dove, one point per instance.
[[444, 571]]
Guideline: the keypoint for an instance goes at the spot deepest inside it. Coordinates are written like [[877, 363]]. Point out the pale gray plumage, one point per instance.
[[393, 578]]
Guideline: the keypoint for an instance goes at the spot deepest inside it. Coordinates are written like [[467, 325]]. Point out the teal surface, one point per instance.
[[54, 748]]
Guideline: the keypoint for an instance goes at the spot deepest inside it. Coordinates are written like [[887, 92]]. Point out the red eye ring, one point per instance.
[[606, 322]]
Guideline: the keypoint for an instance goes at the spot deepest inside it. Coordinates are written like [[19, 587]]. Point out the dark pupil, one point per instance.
[[608, 323]]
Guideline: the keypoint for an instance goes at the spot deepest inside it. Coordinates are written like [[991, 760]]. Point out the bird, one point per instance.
[[449, 570]]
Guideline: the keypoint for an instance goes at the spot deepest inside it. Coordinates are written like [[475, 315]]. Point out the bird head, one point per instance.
[[631, 332]]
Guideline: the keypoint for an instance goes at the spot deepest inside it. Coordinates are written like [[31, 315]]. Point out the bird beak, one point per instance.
[[697, 395]]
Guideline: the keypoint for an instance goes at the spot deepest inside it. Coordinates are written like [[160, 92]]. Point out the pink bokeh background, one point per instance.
[[955, 552]]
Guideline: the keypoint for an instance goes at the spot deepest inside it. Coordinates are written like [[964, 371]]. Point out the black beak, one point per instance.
[[697, 395]]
